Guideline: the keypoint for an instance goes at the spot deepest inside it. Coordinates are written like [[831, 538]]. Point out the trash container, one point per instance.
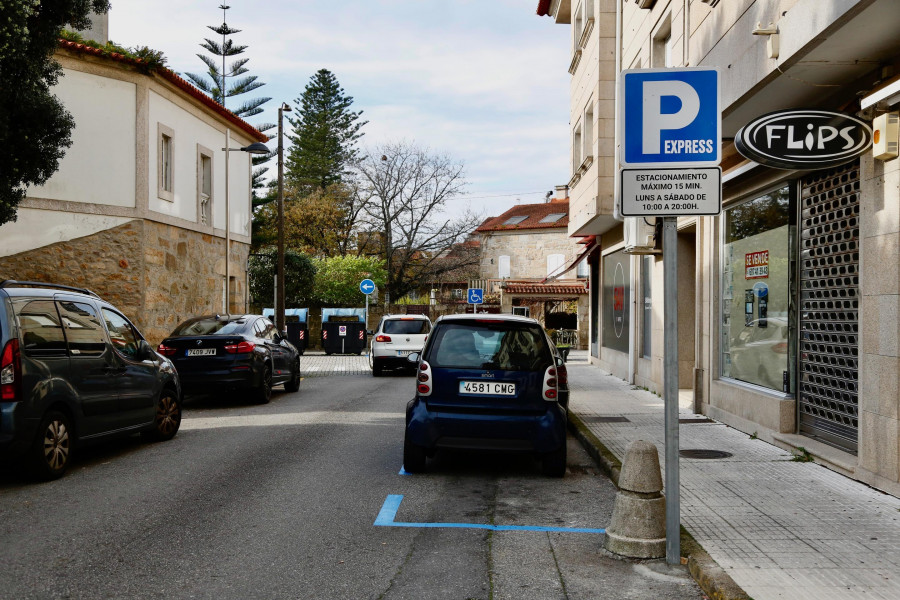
[[344, 330], [295, 322]]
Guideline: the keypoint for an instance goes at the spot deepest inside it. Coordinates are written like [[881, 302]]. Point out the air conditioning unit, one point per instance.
[[640, 236]]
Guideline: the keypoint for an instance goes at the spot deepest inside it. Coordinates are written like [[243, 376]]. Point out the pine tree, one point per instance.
[[324, 136], [215, 82]]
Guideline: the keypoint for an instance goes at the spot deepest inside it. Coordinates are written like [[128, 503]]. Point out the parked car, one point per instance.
[[74, 370], [488, 382], [232, 352], [396, 337]]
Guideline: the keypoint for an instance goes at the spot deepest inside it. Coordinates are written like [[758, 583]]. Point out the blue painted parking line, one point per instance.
[[391, 504]]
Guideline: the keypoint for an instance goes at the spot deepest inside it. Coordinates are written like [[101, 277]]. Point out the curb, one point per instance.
[[712, 579]]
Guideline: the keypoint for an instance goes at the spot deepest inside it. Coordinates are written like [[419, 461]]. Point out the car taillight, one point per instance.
[[424, 375], [550, 383], [382, 338], [562, 375], [241, 348], [166, 350], [10, 372]]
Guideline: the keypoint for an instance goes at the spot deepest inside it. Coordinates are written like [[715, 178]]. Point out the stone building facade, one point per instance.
[[805, 353], [137, 210]]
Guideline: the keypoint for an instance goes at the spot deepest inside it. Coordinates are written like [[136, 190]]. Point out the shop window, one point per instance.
[[756, 284], [616, 292]]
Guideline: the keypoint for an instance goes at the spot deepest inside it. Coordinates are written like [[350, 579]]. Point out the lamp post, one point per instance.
[[254, 148], [279, 300]]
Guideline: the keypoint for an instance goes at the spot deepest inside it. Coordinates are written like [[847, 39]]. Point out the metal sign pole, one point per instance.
[[670, 388]]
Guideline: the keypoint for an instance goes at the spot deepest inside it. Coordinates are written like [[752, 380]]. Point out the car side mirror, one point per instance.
[[145, 351], [413, 357]]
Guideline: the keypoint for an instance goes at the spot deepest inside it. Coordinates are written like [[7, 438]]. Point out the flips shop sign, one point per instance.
[[803, 139]]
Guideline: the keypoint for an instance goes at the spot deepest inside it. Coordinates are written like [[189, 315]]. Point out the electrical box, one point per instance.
[[640, 236], [886, 136]]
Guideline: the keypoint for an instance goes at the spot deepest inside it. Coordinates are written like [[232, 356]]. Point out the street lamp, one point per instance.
[[279, 300], [254, 148]]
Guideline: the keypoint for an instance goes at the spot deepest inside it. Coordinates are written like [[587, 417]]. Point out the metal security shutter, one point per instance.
[[829, 306]]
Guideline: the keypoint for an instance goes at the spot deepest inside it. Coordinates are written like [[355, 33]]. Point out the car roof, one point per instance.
[[424, 317], [488, 317]]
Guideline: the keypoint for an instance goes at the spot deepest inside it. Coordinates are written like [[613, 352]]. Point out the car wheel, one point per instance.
[[52, 448], [263, 393], [293, 384], [413, 457], [168, 417], [554, 463]]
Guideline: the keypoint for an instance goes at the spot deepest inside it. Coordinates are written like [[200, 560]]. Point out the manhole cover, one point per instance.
[[598, 419], [706, 454]]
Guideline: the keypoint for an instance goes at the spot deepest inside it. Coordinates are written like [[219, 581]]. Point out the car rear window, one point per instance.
[[399, 326], [210, 326], [498, 345]]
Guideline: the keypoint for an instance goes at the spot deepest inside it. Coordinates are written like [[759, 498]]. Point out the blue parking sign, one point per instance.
[[475, 296], [670, 117]]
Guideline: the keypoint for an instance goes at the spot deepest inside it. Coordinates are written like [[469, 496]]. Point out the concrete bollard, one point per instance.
[[638, 526]]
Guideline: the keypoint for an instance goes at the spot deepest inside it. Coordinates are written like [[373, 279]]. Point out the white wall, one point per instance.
[[37, 228], [103, 142], [188, 131]]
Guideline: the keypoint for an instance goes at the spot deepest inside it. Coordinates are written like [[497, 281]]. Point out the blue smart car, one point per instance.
[[488, 382]]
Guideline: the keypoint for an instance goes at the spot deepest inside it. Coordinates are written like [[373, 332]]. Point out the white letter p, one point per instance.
[[654, 121]]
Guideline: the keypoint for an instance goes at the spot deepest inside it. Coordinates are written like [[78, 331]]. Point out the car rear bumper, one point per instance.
[[16, 431], [393, 362], [225, 379], [541, 433]]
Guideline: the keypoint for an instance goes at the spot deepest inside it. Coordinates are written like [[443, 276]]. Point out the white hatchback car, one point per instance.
[[396, 337]]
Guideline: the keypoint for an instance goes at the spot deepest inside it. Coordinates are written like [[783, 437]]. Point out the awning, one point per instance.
[[589, 247]]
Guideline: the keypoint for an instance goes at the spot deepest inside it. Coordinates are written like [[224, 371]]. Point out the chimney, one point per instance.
[[562, 194]]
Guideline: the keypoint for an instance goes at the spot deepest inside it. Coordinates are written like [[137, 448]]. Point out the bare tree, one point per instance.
[[404, 190]]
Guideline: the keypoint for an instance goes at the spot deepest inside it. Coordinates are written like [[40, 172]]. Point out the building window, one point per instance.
[[204, 185], [576, 148], [166, 165], [616, 294], [756, 283], [503, 265], [582, 270], [555, 263], [578, 29], [552, 218], [661, 50], [647, 312], [587, 133], [515, 220], [458, 293]]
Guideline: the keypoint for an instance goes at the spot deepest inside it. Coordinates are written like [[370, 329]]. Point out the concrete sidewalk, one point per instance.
[[778, 528]]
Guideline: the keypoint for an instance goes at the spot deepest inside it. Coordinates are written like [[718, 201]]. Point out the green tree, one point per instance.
[[300, 274], [325, 132], [338, 278], [35, 129], [222, 82]]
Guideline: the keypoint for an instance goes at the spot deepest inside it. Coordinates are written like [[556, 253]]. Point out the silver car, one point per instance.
[[396, 337]]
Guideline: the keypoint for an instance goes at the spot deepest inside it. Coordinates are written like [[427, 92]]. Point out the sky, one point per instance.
[[483, 81]]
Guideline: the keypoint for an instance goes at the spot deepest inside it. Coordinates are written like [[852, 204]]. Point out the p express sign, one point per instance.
[[670, 117]]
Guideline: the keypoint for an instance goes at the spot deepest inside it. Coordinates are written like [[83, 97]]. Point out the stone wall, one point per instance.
[[528, 251], [108, 263], [158, 275], [184, 277]]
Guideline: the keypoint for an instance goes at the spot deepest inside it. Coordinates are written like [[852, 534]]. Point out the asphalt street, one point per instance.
[[280, 501]]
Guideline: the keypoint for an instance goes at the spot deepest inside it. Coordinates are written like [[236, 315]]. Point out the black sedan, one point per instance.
[[232, 352]]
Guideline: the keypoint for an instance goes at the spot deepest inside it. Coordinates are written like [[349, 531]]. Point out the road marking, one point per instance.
[[391, 504]]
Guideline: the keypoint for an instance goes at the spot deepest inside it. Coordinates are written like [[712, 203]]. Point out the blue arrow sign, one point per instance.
[[476, 296], [367, 286]]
